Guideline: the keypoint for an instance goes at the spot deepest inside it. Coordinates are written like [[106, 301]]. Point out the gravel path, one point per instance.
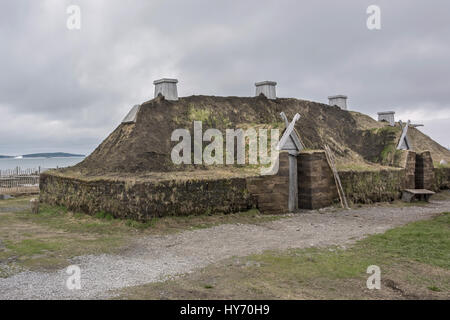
[[155, 258]]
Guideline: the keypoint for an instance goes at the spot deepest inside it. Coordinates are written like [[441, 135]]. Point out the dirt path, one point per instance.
[[155, 258]]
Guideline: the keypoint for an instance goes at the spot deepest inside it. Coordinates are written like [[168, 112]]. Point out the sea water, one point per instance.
[[35, 163]]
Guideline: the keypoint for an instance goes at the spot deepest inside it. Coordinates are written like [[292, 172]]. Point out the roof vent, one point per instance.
[[339, 100], [387, 116], [267, 88], [167, 88]]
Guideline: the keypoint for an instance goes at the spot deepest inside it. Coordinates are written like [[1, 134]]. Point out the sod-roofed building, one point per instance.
[[132, 173]]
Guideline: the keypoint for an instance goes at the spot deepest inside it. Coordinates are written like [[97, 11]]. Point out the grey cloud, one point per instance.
[[87, 80]]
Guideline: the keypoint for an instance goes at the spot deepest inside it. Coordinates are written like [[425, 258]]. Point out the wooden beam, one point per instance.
[[293, 183], [332, 163]]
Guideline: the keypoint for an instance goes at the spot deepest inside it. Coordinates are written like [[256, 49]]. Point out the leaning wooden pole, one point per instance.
[[337, 180], [334, 176]]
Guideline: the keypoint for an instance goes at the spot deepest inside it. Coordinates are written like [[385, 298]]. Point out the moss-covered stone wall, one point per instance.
[[441, 178], [145, 200], [373, 186], [317, 187]]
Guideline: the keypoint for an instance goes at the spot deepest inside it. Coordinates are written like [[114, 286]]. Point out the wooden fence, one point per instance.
[[18, 180]]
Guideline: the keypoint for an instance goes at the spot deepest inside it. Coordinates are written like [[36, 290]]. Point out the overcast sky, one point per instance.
[[66, 90]]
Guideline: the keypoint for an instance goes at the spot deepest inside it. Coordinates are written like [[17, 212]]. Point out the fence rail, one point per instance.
[[18, 180]]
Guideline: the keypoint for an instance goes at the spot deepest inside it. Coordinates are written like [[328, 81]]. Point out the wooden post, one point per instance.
[[293, 183], [34, 206], [291, 142]]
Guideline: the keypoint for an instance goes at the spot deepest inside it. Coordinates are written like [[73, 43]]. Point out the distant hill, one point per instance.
[[52, 155], [45, 155]]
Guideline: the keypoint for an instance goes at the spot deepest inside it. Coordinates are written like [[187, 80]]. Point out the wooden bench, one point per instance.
[[421, 194]]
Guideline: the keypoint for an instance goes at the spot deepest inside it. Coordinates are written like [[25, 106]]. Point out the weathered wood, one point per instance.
[[288, 136], [419, 191], [403, 143], [19, 180], [34, 203], [421, 194], [340, 189], [293, 133], [293, 183], [291, 142]]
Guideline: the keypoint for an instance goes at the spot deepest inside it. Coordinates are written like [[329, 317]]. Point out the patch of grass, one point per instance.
[[390, 155], [361, 167], [141, 225], [414, 257], [48, 239], [60, 218], [172, 224], [20, 202], [435, 289], [209, 119], [32, 246], [423, 241], [400, 204], [311, 263], [196, 114], [104, 215]]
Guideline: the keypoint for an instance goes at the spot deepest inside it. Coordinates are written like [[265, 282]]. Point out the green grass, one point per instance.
[[15, 203], [435, 289], [57, 217], [416, 255], [389, 155], [104, 215], [427, 242], [305, 264], [359, 167], [423, 241], [48, 239], [141, 225], [33, 247]]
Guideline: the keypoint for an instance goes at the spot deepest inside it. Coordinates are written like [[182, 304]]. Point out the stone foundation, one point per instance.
[[145, 200], [373, 186]]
